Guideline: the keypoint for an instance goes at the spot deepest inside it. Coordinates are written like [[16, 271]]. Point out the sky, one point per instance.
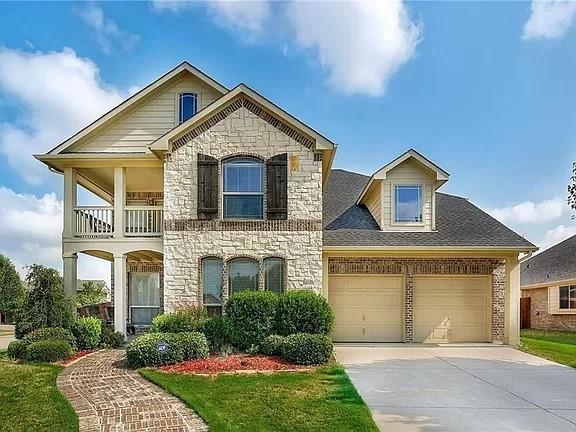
[[484, 89]]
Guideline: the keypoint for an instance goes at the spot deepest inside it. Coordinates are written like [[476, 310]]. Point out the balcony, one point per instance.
[[99, 222]]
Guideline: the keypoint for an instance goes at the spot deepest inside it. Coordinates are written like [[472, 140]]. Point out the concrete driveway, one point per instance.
[[461, 388]]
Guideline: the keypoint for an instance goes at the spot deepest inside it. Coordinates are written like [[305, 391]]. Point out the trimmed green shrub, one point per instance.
[[303, 312], [190, 319], [307, 349], [110, 338], [193, 345], [251, 315], [51, 333], [17, 349], [48, 351], [272, 345], [154, 349], [87, 331], [217, 333]]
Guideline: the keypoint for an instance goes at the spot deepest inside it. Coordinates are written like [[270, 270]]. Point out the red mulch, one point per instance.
[[233, 363], [75, 356]]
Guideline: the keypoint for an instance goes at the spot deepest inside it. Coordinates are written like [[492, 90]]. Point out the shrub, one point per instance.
[[307, 349], [190, 319], [87, 331], [272, 345], [250, 315], [17, 349], [193, 345], [110, 338], [303, 312], [154, 349], [51, 333], [217, 333], [48, 351]]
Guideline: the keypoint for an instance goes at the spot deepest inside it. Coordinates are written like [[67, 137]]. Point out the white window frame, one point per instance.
[[179, 105], [261, 194], [571, 289], [394, 203]]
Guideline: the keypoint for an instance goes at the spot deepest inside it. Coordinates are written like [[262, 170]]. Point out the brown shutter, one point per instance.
[[277, 187], [207, 187]]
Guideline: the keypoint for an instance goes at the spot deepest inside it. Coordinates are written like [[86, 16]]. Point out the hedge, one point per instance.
[[48, 351], [157, 349], [307, 349], [87, 331], [272, 345], [303, 312], [186, 320], [217, 333], [17, 349], [51, 333]]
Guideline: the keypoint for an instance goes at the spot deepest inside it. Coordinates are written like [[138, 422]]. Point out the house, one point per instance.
[[213, 191], [549, 281]]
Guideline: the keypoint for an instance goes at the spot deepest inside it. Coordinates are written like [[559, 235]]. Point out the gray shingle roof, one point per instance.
[[554, 264], [458, 222]]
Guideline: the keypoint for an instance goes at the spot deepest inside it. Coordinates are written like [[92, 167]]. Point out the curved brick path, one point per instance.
[[109, 397]]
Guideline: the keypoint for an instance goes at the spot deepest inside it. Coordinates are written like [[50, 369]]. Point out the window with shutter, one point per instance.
[[277, 187], [207, 187]]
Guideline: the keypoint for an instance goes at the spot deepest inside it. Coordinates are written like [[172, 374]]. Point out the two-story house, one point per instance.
[[213, 191]]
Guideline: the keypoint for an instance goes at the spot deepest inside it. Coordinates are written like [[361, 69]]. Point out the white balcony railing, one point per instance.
[[143, 221], [139, 221], [94, 221]]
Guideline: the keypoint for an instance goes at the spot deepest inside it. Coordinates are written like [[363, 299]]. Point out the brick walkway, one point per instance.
[[109, 397]]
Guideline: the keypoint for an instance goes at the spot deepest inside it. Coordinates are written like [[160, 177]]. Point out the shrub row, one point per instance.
[[191, 319], [157, 349], [299, 348]]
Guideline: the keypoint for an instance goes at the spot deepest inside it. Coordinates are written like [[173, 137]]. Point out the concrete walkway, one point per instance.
[[462, 388], [109, 397]]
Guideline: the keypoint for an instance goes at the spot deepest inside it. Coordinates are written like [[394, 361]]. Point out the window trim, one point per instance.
[[393, 200], [284, 278], [224, 194], [571, 292], [179, 105]]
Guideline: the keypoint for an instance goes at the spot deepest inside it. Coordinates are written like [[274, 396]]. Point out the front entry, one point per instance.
[[367, 308]]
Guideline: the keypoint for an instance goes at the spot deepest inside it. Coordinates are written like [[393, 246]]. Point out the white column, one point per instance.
[[512, 311], [70, 194], [119, 200], [120, 291], [70, 275]]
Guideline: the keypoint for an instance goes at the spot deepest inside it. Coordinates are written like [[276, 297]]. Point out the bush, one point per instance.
[[303, 312], [154, 349], [110, 338], [217, 333], [51, 333], [193, 345], [17, 349], [251, 315], [87, 331], [191, 319], [48, 351], [272, 345], [307, 349]]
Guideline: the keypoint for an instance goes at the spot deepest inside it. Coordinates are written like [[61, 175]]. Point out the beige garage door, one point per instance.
[[451, 309], [366, 308]]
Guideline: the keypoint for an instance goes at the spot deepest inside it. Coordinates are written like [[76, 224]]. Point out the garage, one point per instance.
[[451, 309], [367, 308]]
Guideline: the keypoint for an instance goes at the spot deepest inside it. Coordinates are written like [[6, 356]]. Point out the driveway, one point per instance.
[[483, 388]]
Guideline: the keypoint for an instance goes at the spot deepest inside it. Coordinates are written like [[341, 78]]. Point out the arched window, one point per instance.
[[212, 284], [187, 106], [242, 275], [243, 193], [274, 273]]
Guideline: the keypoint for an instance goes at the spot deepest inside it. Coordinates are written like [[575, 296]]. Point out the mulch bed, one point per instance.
[[233, 364], [77, 355]]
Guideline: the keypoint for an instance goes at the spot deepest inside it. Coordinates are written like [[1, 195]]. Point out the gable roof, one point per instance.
[[555, 264], [168, 77], [459, 223]]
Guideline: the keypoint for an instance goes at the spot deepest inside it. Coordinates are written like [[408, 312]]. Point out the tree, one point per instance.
[[572, 190], [93, 292], [12, 292]]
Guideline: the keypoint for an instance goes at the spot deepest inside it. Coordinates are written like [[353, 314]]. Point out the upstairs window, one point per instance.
[[187, 106], [568, 297], [408, 203], [242, 275], [243, 193]]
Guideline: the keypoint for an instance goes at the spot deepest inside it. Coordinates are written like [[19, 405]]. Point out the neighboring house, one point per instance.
[[549, 280], [214, 191]]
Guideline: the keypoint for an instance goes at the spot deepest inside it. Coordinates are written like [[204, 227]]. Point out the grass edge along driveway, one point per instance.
[[320, 400], [558, 346]]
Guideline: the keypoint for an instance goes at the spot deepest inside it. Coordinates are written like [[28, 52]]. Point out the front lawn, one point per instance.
[[301, 401], [30, 401], [558, 346]]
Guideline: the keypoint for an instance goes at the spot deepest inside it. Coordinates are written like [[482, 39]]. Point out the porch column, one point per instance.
[[409, 305], [119, 200], [70, 275], [120, 290], [512, 302], [70, 193]]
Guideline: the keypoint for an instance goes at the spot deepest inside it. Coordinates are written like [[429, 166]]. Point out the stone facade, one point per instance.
[[240, 132], [540, 318]]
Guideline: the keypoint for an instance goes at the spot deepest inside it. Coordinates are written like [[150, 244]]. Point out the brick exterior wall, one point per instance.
[[239, 131], [539, 316]]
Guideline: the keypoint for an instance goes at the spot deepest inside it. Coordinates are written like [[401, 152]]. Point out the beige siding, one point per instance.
[[373, 201], [133, 131]]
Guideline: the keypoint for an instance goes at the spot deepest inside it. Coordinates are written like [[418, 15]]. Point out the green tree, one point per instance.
[[572, 190], [93, 292], [12, 292]]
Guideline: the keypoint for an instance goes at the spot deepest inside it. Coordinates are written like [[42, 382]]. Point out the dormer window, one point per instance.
[[408, 203], [187, 106]]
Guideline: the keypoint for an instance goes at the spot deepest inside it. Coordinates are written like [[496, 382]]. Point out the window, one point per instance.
[[243, 193], [274, 275], [408, 203], [212, 285], [242, 275], [187, 106], [568, 297], [144, 292]]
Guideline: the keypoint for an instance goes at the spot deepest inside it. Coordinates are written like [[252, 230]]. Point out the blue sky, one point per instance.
[[484, 89]]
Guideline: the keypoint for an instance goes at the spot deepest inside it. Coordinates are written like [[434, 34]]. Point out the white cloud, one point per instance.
[[555, 236], [361, 43], [530, 212], [549, 19], [106, 31], [57, 93]]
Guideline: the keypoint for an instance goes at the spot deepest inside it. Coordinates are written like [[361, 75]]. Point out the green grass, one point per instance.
[[30, 401], [323, 400], [558, 346]]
